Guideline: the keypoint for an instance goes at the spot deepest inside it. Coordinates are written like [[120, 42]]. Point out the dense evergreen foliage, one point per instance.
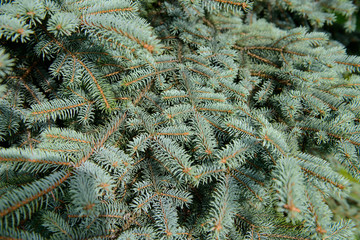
[[201, 119]]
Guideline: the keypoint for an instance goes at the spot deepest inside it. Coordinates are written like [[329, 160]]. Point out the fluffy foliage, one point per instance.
[[204, 119]]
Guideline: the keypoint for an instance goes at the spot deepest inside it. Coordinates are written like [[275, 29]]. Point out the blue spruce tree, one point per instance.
[[201, 119]]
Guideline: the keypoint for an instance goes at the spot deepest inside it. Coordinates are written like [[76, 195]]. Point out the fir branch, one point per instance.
[[18, 198]]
